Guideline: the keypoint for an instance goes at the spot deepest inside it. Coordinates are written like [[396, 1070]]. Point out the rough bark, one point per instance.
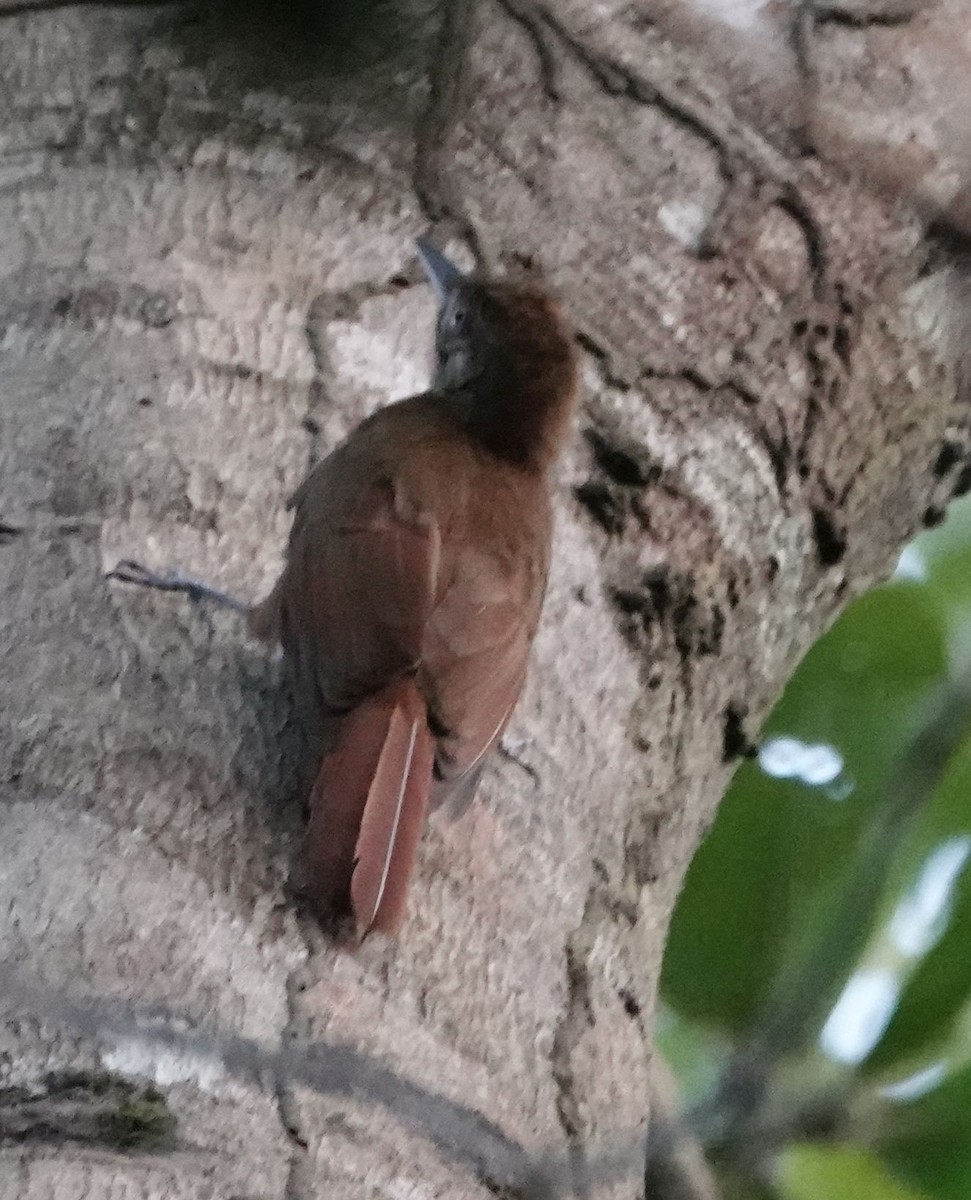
[[208, 277]]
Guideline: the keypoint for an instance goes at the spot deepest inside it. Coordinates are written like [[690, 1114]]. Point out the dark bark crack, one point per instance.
[[829, 536], [860, 13], [299, 1182], [435, 135], [730, 141], [540, 35], [575, 1018], [20, 8], [736, 742], [808, 15]]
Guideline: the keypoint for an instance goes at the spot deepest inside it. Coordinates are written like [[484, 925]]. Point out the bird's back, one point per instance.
[[415, 551]]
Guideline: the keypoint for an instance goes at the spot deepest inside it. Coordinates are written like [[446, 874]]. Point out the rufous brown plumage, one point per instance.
[[412, 589], [413, 585]]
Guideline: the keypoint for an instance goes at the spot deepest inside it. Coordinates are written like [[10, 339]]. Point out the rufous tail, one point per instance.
[[367, 810]]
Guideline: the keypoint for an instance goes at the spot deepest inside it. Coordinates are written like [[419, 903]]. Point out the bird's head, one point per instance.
[[494, 330], [505, 353]]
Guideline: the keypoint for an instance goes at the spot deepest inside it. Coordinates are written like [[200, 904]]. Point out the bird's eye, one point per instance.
[[456, 319]]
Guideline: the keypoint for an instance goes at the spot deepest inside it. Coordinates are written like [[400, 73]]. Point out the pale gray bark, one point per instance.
[[208, 277]]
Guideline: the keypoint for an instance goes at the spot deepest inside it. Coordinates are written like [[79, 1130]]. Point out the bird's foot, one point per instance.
[[128, 571], [511, 749]]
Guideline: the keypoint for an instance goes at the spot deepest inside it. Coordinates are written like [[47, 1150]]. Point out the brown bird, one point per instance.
[[414, 580]]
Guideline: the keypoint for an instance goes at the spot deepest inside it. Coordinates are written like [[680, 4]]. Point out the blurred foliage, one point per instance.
[[817, 983]]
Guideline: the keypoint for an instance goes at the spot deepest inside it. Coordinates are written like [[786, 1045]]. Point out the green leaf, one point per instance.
[[932, 924], [767, 887], [837, 1173], [927, 1141], [943, 555], [737, 1185], [939, 1167], [726, 941]]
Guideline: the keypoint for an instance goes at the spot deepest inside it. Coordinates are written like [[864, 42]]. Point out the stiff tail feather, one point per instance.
[[367, 811]]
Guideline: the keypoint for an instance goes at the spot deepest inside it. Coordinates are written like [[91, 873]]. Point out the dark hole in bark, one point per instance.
[[949, 456], [830, 539], [735, 741]]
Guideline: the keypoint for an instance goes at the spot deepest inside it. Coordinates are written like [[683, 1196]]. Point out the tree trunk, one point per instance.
[[208, 278]]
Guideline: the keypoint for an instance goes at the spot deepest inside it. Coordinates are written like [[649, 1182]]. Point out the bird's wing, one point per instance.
[[476, 647], [361, 581], [399, 569]]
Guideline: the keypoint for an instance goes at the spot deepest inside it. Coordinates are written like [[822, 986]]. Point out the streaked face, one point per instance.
[[456, 337]]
